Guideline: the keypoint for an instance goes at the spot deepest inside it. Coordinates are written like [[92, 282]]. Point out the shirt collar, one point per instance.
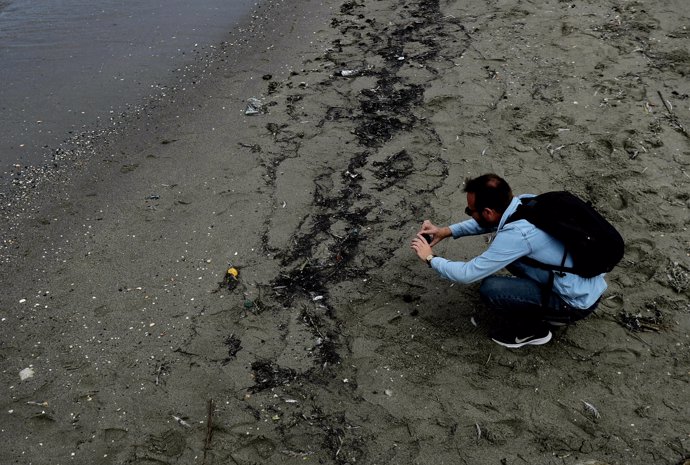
[[509, 211]]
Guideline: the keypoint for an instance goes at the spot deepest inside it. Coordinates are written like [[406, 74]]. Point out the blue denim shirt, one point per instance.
[[514, 240]]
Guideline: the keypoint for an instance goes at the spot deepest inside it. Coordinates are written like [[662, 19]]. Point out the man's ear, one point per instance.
[[489, 214]]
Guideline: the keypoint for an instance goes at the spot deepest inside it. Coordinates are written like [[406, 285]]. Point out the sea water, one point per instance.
[[66, 65]]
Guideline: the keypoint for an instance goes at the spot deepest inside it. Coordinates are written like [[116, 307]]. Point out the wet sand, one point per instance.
[[335, 344]]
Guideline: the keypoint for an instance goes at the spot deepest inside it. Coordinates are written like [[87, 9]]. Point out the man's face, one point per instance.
[[486, 218]]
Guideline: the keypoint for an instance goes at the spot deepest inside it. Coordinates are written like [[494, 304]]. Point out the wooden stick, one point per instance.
[[209, 429], [675, 123], [663, 100]]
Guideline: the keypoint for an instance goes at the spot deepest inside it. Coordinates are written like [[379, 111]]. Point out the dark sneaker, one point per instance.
[[517, 337]]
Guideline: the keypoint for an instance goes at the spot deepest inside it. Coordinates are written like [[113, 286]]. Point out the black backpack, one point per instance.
[[593, 243]]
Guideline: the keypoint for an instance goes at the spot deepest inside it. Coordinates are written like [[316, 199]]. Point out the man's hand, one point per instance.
[[421, 247], [437, 234]]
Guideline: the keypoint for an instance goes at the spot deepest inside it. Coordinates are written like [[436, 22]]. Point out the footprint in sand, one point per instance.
[[614, 302], [620, 357], [640, 261], [255, 450], [619, 201], [171, 443], [601, 148]]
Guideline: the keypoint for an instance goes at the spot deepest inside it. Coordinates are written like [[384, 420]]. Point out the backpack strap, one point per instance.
[[522, 213], [544, 266], [546, 291]]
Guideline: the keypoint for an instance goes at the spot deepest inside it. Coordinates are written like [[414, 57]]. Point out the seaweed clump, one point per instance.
[[268, 375]]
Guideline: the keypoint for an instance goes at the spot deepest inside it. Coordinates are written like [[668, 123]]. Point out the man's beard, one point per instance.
[[482, 222]]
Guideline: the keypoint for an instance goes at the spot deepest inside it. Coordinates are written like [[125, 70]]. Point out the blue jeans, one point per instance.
[[521, 298]]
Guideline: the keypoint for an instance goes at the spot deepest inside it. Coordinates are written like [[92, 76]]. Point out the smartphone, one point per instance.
[[428, 238]]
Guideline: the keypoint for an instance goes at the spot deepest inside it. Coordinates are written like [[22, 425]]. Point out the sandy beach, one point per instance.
[[305, 155]]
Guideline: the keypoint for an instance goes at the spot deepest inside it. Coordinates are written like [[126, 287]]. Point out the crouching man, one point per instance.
[[533, 298]]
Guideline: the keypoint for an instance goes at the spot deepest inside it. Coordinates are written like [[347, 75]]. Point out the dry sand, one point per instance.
[[336, 345]]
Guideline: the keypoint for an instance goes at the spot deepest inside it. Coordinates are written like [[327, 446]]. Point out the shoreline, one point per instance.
[[26, 189], [335, 344], [58, 83]]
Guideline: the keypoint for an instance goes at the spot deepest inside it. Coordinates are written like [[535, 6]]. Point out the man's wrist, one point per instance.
[[429, 258]]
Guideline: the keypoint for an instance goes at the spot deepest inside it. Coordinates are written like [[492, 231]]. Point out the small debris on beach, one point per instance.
[[268, 375], [181, 421], [26, 373], [37, 404], [591, 409], [638, 322], [254, 106], [234, 345], [230, 280]]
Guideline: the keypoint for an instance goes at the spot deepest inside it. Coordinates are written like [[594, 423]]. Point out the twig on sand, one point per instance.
[[38, 404], [292, 453], [479, 431], [158, 374], [209, 429], [672, 116], [409, 431], [313, 325], [635, 336], [663, 100], [590, 410]]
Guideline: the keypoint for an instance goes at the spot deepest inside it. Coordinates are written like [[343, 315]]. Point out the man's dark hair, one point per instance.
[[490, 191]]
